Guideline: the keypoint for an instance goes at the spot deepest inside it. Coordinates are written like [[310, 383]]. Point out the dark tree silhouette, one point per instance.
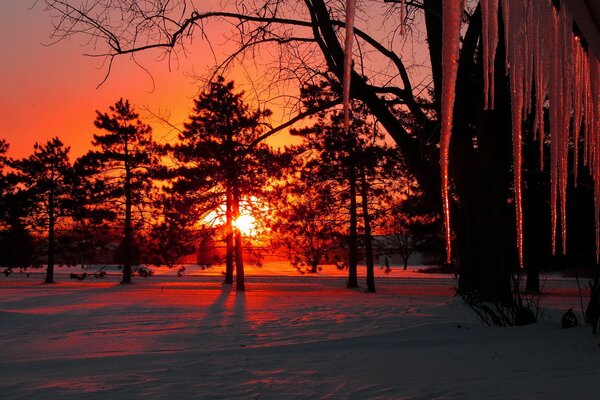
[[44, 180], [222, 160], [483, 201], [411, 227], [306, 221], [16, 242], [6, 186], [121, 174], [352, 160], [177, 233]]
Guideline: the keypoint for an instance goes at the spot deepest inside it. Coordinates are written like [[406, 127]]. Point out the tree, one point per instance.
[[222, 161], [355, 162], [6, 186], [306, 221], [177, 233], [44, 180], [485, 193], [16, 242], [121, 174], [411, 227]]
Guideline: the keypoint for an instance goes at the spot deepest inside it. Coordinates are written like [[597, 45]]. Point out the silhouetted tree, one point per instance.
[[354, 160], [223, 160], [178, 232], [411, 227], [16, 242], [6, 188], [121, 174], [481, 153], [44, 180], [306, 221]]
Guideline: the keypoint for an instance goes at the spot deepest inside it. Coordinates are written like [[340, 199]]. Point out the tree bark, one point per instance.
[[353, 234], [482, 174], [128, 234], [51, 224], [229, 234], [239, 257], [368, 238]]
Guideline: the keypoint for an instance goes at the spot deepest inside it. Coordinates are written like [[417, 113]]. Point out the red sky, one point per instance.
[[48, 91], [51, 90]]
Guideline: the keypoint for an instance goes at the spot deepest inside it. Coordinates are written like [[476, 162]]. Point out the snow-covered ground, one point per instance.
[[286, 337]]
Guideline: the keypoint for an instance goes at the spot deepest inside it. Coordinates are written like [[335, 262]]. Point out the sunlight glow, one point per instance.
[[245, 223]]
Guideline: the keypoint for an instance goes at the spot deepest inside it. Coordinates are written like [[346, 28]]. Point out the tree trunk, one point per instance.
[[51, 224], [128, 234], [229, 235], [239, 259], [368, 238], [353, 235], [486, 248]]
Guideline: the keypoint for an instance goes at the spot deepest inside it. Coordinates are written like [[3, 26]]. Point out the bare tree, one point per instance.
[[306, 39]]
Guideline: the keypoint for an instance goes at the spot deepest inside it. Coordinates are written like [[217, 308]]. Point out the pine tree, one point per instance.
[[221, 159], [44, 181], [353, 160], [121, 174]]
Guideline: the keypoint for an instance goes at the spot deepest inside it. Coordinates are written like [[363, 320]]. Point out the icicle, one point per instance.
[[566, 27], [578, 95], [594, 119], [489, 10], [515, 52], [505, 16], [529, 34], [350, 11], [555, 94], [560, 113], [541, 49], [452, 16]]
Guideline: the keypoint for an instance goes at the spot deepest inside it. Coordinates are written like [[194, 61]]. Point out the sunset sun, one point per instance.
[[246, 224]]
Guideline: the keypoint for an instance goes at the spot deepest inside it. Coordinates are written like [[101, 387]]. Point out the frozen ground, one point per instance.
[[286, 337]]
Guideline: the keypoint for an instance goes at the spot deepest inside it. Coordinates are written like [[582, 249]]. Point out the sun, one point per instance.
[[245, 223]]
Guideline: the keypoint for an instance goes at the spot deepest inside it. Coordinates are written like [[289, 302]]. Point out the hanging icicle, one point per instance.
[[541, 49], [514, 21], [489, 12], [452, 17], [594, 144], [350, 12], [546, 62]]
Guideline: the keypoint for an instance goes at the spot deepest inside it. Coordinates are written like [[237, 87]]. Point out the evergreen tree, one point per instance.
[[120, 175], [44, 180], [306, 221], [354, 160], [222, 160]]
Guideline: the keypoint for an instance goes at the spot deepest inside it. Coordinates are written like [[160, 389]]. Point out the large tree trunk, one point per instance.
[[481, 218], [353, 235], [484, 217], [51, 224], [368, 237]]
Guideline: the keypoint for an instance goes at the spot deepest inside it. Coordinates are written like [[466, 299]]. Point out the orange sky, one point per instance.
[[48, 91]]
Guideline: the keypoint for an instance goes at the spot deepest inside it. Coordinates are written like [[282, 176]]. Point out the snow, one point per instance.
[[288, 336]]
